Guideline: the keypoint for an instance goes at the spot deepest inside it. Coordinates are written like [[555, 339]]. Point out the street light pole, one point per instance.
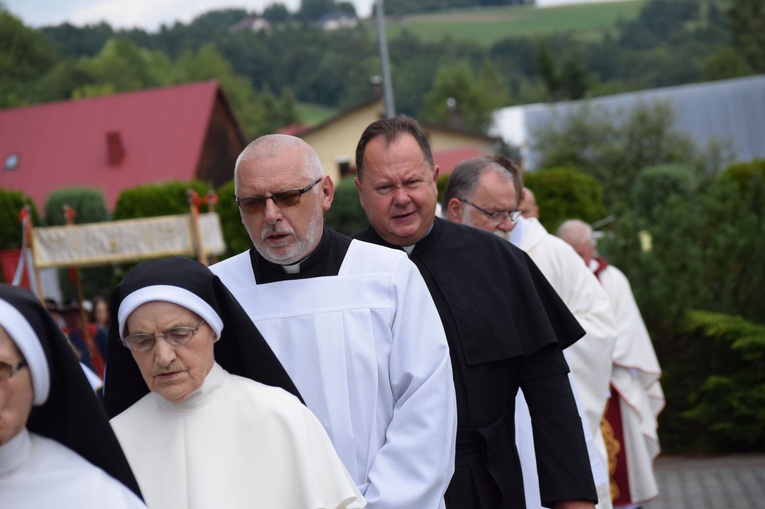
[[390, 109]]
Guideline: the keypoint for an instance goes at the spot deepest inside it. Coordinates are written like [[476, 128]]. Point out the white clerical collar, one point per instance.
[[292, 269], [408, 249]]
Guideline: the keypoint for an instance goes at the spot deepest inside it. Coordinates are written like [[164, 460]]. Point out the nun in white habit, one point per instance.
[[200, 401], [56, 446]]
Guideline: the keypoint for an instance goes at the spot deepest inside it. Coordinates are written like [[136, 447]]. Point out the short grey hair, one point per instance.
[[272, 145], [464, 179]]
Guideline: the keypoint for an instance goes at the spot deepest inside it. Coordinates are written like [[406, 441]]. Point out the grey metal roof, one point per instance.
[[732, 110]]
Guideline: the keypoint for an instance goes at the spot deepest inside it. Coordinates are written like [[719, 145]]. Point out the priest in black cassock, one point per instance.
[[505, 325]]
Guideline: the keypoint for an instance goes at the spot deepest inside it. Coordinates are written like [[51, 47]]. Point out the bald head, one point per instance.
[[579, 235], [275, 145], [528, 204]]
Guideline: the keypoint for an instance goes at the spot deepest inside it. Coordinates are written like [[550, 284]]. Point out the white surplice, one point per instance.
[[367, 351], [234, 444], [39, 473], [635, 378], [590, 358]]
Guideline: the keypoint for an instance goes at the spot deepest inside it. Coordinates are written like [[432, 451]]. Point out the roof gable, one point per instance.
[[155, 135]]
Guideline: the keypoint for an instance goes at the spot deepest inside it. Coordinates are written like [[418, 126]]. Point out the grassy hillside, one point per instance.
[[313, 114], [486, 26]]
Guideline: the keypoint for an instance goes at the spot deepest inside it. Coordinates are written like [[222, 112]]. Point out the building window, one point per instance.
[[11, 162]]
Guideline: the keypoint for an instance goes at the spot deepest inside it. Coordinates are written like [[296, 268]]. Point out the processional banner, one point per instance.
[[125, 241]]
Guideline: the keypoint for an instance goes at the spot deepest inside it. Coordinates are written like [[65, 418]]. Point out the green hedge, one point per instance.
[[154, 200], [11, 203], [565, 193], [234, 233], [89, 207], [706, 252], [743, 173], [723, 384], [88, 204], [346, 215]]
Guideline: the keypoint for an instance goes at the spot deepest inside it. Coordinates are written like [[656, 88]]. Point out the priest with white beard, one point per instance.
[[481, 192], [353, 324]]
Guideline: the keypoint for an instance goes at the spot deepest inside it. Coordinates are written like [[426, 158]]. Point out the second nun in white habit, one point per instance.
[[201, 436]]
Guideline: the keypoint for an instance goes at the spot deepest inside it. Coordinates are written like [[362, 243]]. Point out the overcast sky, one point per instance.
[[146, 14]]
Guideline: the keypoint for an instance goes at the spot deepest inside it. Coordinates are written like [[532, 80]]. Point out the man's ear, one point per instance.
[[454, 210], [328, 192], [358, 188]]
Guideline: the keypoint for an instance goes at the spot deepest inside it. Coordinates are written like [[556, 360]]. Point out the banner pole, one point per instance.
[[211, 200], [194, 203], [69, 215], [27, 245]]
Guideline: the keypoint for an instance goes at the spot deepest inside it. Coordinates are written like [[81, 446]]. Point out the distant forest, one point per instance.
[[267, 73]]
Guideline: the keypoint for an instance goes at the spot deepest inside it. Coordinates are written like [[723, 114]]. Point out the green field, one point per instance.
[[486, 26], [313, 114]]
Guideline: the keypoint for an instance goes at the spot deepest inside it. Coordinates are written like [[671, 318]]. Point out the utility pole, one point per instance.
[[390, 109]]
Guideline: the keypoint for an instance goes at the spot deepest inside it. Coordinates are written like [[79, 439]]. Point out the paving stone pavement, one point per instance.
[[721, 482]]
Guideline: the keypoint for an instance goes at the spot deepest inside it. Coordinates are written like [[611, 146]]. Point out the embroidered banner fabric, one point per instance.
[[125, 241]]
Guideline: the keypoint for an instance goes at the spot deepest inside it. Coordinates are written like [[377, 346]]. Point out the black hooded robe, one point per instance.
[[506, 329]]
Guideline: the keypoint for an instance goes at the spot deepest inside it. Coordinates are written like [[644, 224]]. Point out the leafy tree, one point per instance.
[[72, 41], [413, 68], [476, 98], [547, 70], [725, 64], [704, 252], [565, 193], [346, 214], [122, 66], [89, 207], [565, 77], [728, 406], [614, 149], [311, 10], [259, 113], [658, 19], [734, 241], [747, 22], [655, 185], [11, 204], [234, 233], [153, 200], [24, 56], [276, 13], [347, 7]]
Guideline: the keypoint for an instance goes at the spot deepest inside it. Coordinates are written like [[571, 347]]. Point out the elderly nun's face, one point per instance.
[[16, 393], [174, 372]]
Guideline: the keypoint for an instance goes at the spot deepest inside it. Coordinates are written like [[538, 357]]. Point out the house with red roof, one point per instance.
[[112, 143]]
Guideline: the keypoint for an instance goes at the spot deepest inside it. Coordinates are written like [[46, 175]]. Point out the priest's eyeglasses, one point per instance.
[[496, 216], [288, 198], [177, 336], [8, 370]]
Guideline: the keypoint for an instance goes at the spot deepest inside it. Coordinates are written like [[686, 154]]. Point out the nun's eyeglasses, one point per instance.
[[177, 336], [288, 198], [8, 370]]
